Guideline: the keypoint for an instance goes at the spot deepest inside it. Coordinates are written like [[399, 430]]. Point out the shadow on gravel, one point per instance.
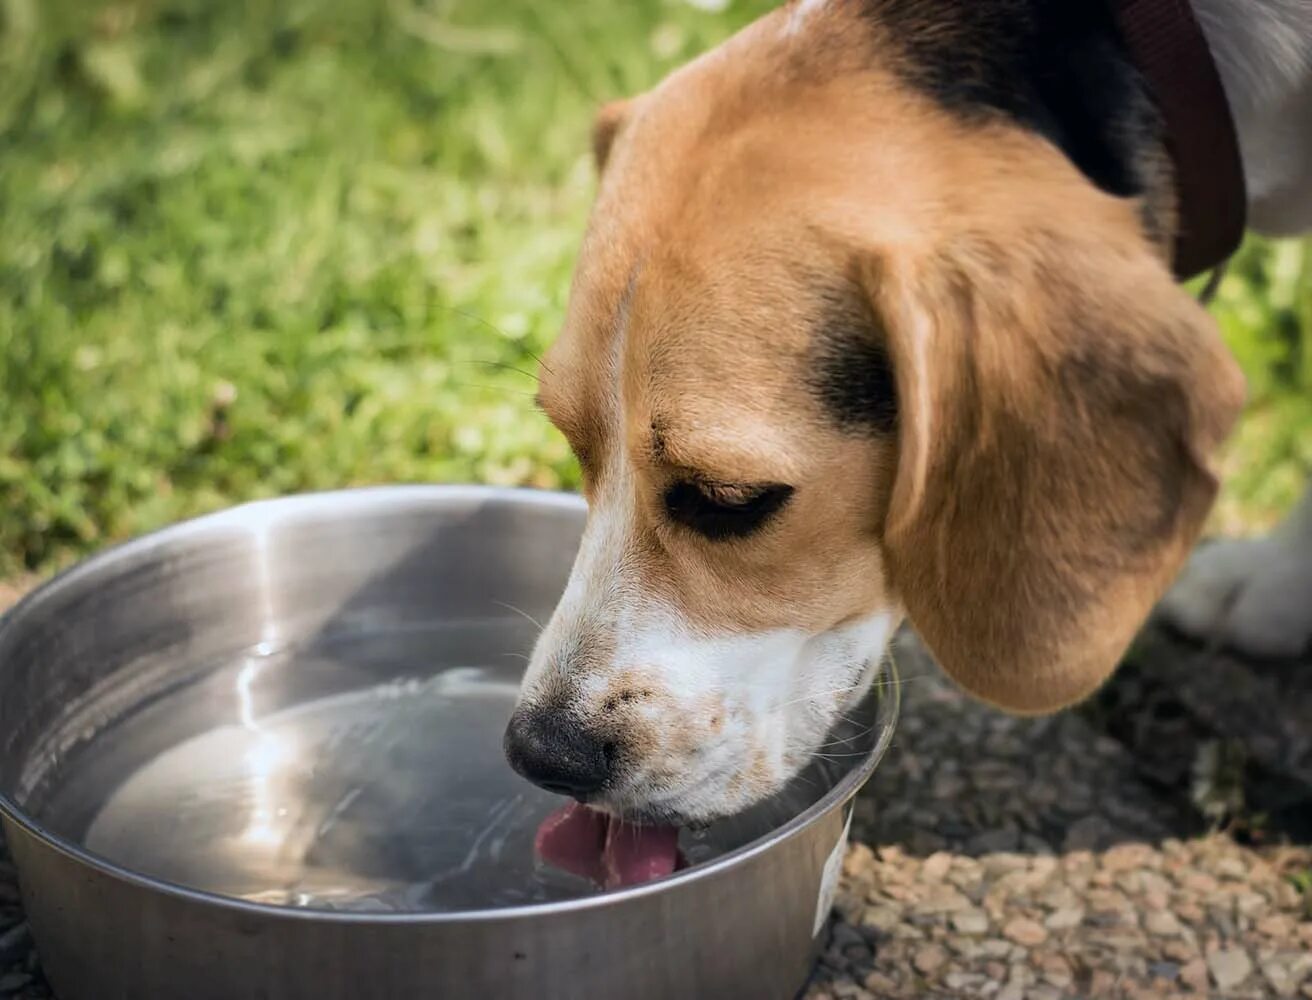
[[1049, 859], [1181, 741], [1234, 737]]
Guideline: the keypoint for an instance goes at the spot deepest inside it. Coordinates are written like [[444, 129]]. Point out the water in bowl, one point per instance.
[[363, 772]]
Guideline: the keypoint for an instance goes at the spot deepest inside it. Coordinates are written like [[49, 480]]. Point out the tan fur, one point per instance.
[[1054, 467], [1059, 395]]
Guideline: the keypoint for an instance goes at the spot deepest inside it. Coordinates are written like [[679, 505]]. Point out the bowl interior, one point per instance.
[[301, 703]]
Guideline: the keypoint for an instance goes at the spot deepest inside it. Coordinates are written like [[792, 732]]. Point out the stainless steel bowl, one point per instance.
[[258, 755]]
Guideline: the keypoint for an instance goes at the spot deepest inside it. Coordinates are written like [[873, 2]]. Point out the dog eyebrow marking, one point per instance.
[[724, 452], [656, 443], [851, 371]]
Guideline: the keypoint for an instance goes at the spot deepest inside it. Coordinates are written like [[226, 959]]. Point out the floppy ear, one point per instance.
[[1059, 401], [604, 129]]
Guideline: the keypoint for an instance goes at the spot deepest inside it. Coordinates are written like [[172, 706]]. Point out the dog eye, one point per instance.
[[720, 512]]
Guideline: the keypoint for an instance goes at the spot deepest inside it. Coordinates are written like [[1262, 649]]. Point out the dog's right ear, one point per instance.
[[604, 129], [1060, 399]]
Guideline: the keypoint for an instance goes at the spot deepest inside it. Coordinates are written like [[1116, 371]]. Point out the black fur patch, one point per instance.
[[851, 370], [1058, 67]]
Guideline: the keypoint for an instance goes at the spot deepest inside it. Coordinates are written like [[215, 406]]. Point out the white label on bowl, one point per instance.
[[829, 877]]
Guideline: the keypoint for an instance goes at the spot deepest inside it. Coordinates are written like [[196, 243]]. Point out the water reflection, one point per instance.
[[366, 785]]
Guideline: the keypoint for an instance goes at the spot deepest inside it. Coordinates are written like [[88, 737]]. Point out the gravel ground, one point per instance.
[[1023, 860], [1038, 860]]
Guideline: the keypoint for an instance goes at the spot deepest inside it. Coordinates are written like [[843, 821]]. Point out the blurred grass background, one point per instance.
[[249, 247]]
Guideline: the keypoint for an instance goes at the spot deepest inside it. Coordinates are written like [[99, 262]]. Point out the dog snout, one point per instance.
[[555, 751]]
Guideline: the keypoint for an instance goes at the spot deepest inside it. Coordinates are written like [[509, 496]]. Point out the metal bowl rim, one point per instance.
[[836, 797]]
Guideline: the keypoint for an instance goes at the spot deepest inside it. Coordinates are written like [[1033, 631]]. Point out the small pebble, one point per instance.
[[930, 959], [885, 918], [1229, 967], [880, 985], [970, 922], [1276, 925], [995, 948], [1065, 918], [1102, 983], [849, 991], [1180, 951], [1056, 970], [1189, 913], [1198, 882], [935, 867], [858, 859], [1025, 932], [1125, 857], [1250, 904], [962, 981], [1194, 975], [845, 935], [1164, 970], [1278, 973], [1232, 868], [1162, 923]]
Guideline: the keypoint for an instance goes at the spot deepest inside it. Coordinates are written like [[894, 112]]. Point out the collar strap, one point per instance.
[[1169, 49]]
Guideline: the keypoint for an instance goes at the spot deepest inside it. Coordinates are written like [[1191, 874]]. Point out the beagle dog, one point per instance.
[[875, 319]]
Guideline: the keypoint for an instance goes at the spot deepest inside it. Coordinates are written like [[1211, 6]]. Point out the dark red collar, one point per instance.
[[1172, 53]]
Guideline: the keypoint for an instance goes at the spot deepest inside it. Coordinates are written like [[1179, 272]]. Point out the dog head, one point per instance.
[[837, 354]]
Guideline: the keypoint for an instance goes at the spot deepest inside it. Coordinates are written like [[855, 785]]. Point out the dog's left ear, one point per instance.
[[604, 129], [1059, 400]]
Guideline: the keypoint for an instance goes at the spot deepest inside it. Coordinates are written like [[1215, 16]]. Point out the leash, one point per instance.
[[1208, 291]]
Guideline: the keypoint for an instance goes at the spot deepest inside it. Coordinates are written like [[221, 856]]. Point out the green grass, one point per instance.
[[254, 247], [1264, 307]]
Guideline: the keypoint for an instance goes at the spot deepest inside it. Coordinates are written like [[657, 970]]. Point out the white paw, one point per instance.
[[1254, 597]]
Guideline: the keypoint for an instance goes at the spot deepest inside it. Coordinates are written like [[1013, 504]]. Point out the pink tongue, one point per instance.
[[636, 854], [572, 838], [611, 854]]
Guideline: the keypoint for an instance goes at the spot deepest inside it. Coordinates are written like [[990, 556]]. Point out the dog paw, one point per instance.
[[1252, 596]]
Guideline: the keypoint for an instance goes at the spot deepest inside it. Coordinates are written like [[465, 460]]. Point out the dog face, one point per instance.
[[834, 356], [729, 597]]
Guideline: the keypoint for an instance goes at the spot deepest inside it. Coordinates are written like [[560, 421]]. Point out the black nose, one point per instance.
[[556, 753]]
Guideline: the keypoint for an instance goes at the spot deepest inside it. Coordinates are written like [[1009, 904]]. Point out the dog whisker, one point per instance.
[[890, 682], [839, 756], [817, 696], [519, 611], [502, 366], [847, 740], [493, 388], [497, 330]]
